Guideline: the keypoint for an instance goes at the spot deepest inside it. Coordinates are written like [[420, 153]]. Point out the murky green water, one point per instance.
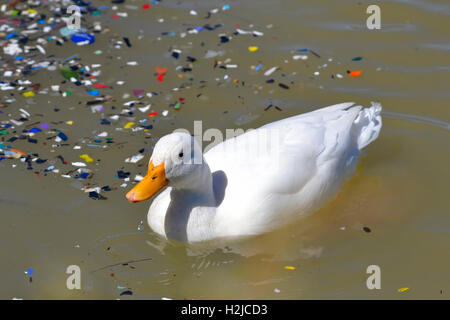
[[400, 191]]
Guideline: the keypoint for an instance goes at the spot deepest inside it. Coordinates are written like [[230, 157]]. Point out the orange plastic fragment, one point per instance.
[[160, 70], [355, 73], [18, 151]]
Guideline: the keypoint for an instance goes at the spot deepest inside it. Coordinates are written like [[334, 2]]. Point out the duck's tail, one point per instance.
[[367, 125]]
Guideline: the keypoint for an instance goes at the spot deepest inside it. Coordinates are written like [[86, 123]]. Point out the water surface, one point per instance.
[[400, 191]]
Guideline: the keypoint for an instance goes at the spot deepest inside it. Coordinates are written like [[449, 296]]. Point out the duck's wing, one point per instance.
[[294, 148], [309, 141]]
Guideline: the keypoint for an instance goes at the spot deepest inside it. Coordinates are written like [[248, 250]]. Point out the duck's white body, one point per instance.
[[242, 194]]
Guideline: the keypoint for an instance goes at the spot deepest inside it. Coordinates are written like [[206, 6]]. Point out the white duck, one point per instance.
[[257, 181]]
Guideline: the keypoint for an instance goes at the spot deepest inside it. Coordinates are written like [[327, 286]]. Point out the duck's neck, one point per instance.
[[191, 210], [201, 184]]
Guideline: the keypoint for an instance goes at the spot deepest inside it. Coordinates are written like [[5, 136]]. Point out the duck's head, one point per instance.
[[177, 161]]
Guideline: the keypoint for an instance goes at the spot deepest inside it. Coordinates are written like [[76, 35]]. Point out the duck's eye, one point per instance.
[[180, 154]]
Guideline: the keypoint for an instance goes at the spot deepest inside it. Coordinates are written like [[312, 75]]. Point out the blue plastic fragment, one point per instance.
[[11, 35], [62, 136], [35, 130], [71, 57], [83, 36], [84, 175], [94, 92], [303, 50]]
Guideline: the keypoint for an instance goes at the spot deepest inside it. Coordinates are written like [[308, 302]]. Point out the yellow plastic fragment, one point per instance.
[[403, 289], [28, 94], [129, 125], [70, 122], [86, 158], [253, 48], [289, 268]]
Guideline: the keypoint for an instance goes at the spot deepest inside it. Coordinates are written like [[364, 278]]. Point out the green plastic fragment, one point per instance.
[[67, 72]]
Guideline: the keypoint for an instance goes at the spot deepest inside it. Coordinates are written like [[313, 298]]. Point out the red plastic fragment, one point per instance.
[[160, 77]]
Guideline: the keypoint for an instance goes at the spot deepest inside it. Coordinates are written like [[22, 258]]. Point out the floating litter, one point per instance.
[[82, 38], [86, 158], [289, 268], [355, 73], [28, 94], [128, 125]]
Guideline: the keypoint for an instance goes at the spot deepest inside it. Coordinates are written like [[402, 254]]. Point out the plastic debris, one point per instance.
[[289, 268], [40, 121], [86, 158], [355, 73], [83, 38], [134, 159], [79, 164], [128, 125], [270, 71], [126, 293]]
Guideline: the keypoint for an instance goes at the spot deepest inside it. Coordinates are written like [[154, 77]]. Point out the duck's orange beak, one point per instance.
[[153, 182]]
